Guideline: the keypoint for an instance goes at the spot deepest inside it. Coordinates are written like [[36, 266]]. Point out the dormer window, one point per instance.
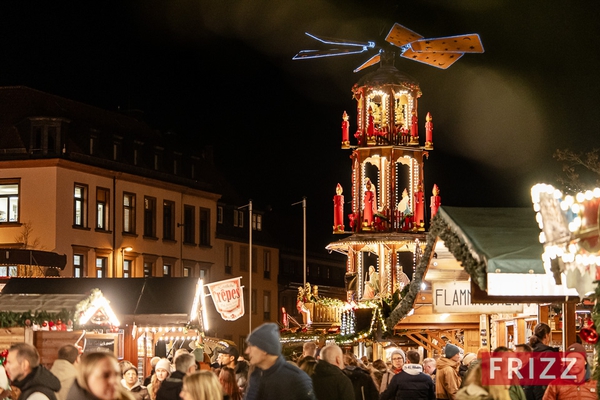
[[45, 136]]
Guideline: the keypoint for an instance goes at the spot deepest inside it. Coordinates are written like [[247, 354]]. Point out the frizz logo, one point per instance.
[[533, 369]]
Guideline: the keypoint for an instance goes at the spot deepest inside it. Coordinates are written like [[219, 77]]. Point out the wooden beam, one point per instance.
[[569, 332], [423, 338], [419, 342]]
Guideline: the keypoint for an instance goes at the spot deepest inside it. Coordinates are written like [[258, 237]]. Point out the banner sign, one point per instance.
[[228, 299], [455, 297]]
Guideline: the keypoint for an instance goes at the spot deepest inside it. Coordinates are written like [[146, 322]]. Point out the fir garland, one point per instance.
[[439, 228], [9, 319]]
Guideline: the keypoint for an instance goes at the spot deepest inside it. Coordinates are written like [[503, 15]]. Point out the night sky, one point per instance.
[[221, 73]]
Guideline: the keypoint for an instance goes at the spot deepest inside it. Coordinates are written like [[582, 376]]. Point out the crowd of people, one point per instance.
[[325, 373]]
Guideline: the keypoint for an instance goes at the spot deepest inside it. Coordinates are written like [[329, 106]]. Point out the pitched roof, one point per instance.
[[127, 296]]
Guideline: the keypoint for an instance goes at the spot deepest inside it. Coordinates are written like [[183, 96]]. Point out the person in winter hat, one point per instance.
[[447, 379], [398, 358], [131, 382], [412, 383], [273, 377], [582, 387]]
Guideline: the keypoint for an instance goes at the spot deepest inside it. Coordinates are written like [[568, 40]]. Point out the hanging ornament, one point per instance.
[[589, 334]]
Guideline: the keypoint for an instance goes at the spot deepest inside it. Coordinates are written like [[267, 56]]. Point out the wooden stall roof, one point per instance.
[[147, 300], [9, 256], [53, 303], [495, 242]]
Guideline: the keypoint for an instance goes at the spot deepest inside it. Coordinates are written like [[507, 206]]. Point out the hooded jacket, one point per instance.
[[331, 383], [411, 383], [137, 391], [364, 387], [447, 379], [282, 381], [39, 380], [66, 373]]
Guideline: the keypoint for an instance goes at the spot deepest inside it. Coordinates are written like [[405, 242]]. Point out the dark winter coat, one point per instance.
[[412, 383], [282, 381], [171, 387], [537, 392], [241, 374], [364, 387], [39, 380], [331, 383]]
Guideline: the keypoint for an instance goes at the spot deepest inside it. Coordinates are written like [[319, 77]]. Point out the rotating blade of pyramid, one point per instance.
[[435, 59], [400, 35], [451, 44], [373, 60]]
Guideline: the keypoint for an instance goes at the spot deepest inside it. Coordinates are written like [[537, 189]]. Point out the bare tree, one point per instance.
[[26, 235], [581, 170]]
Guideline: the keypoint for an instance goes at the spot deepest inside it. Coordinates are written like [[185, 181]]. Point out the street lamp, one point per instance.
[[249, 205], [123, 250], [303, 202]]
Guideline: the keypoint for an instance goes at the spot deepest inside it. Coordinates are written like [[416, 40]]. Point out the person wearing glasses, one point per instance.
[[398, 358]]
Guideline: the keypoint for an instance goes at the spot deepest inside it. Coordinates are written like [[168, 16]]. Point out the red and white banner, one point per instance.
[[228, 298]]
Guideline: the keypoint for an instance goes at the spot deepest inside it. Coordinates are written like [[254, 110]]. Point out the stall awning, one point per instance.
[[32, 257], [499, 248], [143, 300]]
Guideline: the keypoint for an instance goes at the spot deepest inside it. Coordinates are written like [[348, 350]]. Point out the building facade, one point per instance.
[[121, 200]]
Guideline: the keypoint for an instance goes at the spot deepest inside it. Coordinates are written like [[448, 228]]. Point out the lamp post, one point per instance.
[[249, 205], [123, 250], [304, 236]]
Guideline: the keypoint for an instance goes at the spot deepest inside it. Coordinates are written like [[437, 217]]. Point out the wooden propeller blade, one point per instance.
[[452, 44], [373, 60], [400, 35], [439, 60]]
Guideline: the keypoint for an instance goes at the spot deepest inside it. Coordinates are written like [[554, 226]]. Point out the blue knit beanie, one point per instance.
[[266, 338]]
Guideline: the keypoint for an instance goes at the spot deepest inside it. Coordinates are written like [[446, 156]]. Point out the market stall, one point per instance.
[[475, 257], [51, 321], [157, 315]]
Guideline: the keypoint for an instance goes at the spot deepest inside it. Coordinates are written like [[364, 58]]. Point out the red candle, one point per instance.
[[436, 200], [428, 131], [338, 210]]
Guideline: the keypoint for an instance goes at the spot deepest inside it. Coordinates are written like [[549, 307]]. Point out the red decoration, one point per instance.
[[428, 132], [368, 211], [345, 131], [589, 334], [338, 210], [414, 126], [419, 205], [370, 124], [286, 322], [436, 200]]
